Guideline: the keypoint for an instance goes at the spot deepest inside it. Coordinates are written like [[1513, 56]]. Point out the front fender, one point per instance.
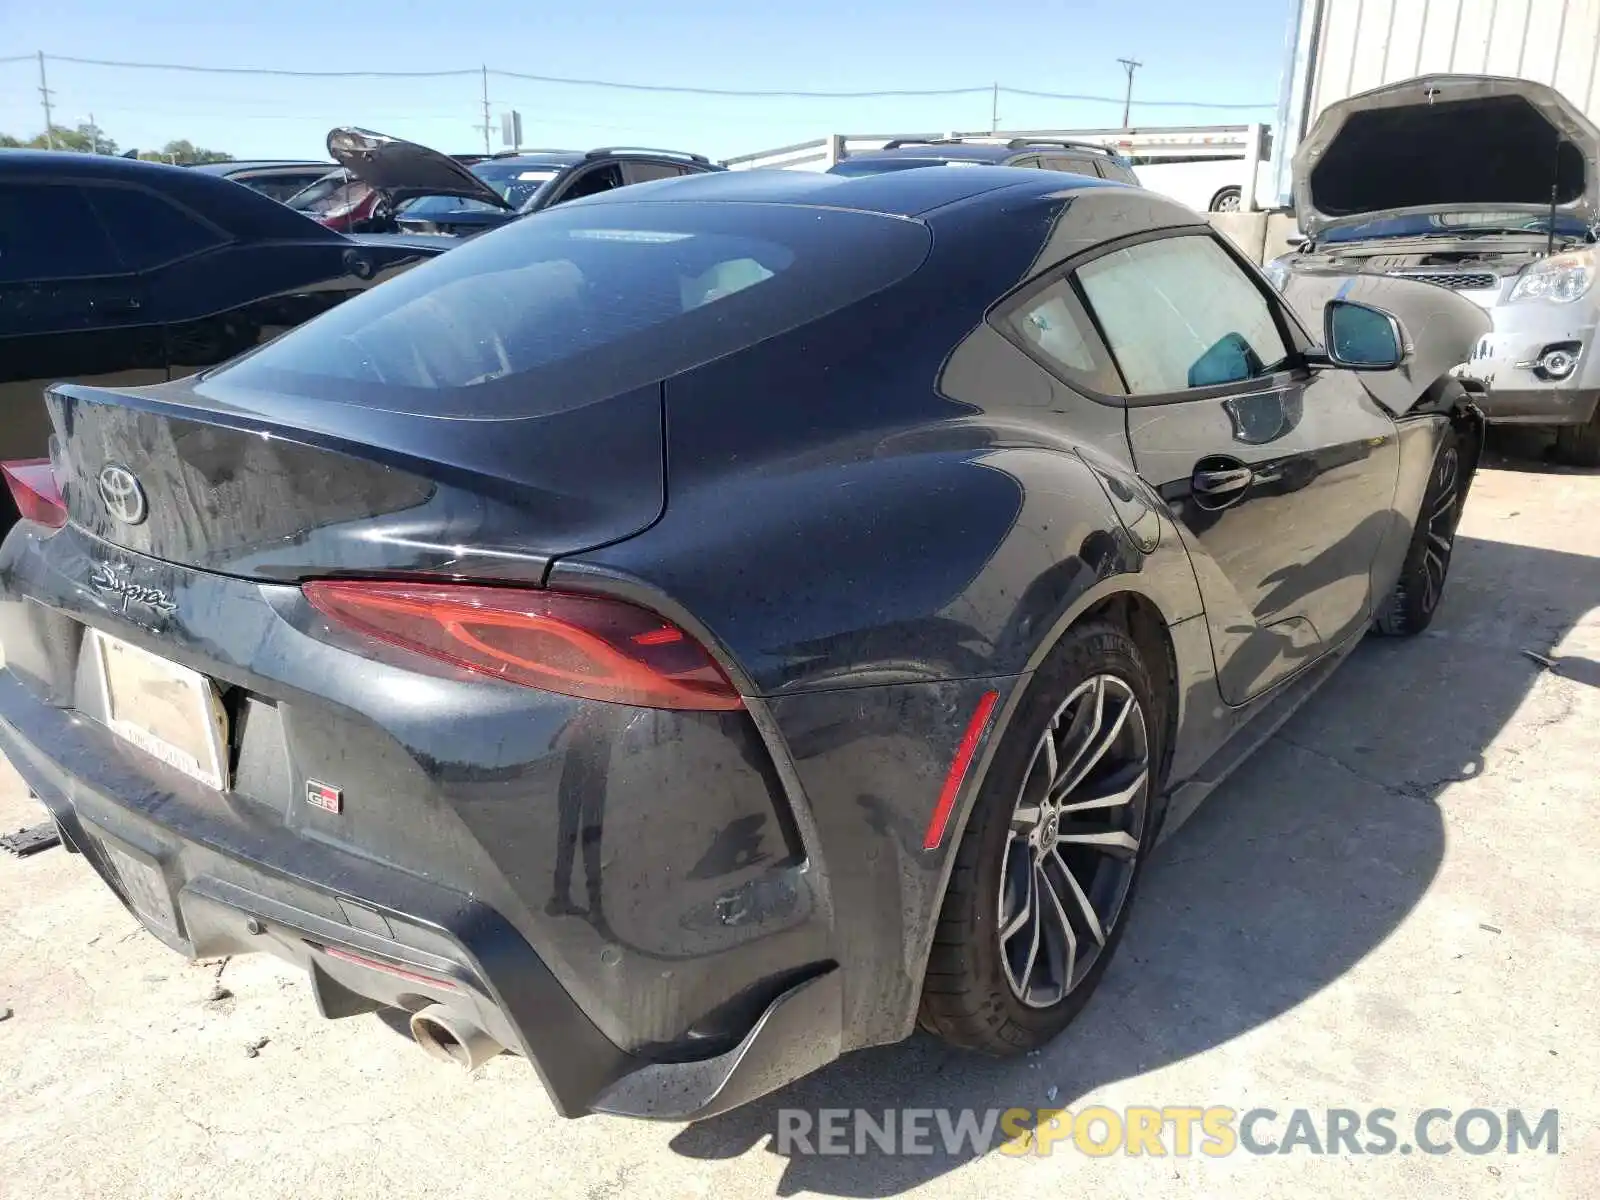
[[1442, 327]]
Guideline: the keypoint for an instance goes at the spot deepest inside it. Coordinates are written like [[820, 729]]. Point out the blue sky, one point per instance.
[[1192, 51]]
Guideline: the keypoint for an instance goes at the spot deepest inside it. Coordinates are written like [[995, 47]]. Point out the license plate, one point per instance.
[[168, 711]]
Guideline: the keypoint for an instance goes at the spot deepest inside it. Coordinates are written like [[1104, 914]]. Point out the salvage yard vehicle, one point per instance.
[[273, 178], [130, 273], [1487, 187], [428, 192], [1047, 154], [714, 627]]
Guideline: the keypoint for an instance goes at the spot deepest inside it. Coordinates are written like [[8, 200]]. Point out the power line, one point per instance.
[[674, 89], [196, 70], [1138, 104]]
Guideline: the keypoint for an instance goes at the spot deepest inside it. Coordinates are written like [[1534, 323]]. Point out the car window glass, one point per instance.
[[148, 230], [1054, 326], [644, 172], [279, 187], [48, 231], [1179, 313], [594, 181], [1072, 164], [585, 302]]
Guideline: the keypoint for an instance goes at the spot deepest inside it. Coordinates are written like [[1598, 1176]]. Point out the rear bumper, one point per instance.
[[199, 873]]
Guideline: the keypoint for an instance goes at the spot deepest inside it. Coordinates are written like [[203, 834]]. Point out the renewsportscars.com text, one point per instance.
[[1215, 1131]]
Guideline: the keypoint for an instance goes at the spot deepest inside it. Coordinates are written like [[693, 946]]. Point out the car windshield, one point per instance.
[[1430, 224], [517, 183], [582, 303]]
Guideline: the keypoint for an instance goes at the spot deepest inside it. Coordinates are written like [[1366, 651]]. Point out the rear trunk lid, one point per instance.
[[273, 486], [1467, 144], [404, 170]]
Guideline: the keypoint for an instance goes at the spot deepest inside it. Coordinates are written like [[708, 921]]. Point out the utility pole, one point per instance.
[[486, 148], [1130, 65], [44, 96], [994, 109], [94, 133]]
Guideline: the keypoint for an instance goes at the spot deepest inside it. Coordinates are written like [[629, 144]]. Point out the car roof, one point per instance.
[[263, 164], [987, 152], [241, 211], [532, 158], [891, 193]]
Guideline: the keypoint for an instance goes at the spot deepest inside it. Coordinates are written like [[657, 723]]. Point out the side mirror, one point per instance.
[[1359, 338]]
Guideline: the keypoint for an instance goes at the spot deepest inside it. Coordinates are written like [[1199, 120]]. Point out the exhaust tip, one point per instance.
[[444, 1035]]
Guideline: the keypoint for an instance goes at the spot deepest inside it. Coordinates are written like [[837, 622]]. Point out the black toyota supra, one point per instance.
[[715, 626]]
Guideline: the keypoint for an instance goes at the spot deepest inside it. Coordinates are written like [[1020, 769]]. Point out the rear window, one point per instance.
[[576, 304]]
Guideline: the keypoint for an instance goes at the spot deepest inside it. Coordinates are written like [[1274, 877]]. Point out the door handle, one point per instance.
[[1216, 484]]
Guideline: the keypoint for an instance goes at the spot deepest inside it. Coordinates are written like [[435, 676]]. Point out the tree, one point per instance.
[[185, 151], [90, 139], [86, 139]]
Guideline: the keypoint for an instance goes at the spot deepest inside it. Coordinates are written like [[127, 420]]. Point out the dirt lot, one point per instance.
[[1395, 904]]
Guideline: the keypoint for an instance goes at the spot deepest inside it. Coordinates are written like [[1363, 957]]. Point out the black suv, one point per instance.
[[426, 191], [125, 273], [1045, 154]]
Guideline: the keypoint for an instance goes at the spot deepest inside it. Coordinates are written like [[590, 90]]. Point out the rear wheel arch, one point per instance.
[[1117, 602]]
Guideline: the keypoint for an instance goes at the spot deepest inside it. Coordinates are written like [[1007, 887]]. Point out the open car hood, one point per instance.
[[1447, 143], [405, 170]]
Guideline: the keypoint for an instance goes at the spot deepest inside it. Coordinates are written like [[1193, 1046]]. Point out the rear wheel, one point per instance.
[[1047, 867], [1227, 200], [1410, 607]]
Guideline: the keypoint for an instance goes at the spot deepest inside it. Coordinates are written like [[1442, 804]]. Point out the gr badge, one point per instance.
[[324, 796]]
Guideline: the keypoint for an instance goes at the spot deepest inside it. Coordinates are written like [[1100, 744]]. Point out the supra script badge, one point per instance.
[[106, 580]]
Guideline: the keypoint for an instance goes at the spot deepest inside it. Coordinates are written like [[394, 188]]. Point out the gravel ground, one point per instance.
[[1394, 904]]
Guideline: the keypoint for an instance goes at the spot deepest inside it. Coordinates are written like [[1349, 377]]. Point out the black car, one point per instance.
[[128, 273], [430, 192], [279, 179], [709, 628], [1073, 157]]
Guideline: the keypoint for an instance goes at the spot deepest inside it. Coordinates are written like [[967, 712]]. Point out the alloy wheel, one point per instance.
[[1441, 528], [1077, 829]]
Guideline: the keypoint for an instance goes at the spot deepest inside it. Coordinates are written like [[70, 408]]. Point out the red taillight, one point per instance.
[[34, 488], [589, 646]]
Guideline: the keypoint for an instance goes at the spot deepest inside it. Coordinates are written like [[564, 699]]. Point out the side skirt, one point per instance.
[[1274, 709]]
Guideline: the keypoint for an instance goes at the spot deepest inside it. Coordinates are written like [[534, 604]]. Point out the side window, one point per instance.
[[1113, 168], [1073, 165], [49, 231], [1031, 160], [1052, 325], [278, 187], [1179, 313], [644, 172], [594, 181], [149, 230]]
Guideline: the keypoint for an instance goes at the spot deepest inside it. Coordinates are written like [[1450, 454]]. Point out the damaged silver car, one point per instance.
[[1484, 186]]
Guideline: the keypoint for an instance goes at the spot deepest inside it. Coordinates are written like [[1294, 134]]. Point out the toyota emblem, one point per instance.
[[122, 494]]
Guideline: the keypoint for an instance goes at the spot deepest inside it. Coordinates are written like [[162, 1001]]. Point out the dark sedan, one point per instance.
[[705, 630], [128, 273]]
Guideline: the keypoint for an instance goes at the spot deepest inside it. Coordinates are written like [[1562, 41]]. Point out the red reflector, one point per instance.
[[33, 486], [940, 821], [388, 968], [588, 646]]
